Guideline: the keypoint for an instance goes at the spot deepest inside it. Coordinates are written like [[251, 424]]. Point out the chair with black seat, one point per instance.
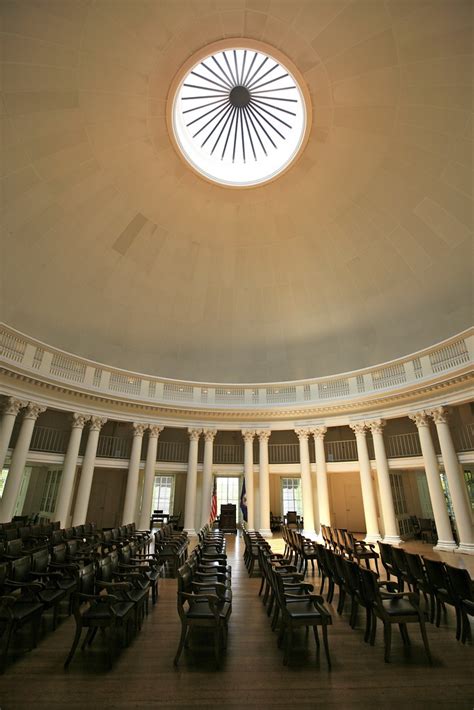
[[350, 572], [210, 611], [47, 592], [121, 584], [14, 549], [462, 590], [98, 611], [439, 582], [148, 566], [326, 571], [19, 606], [421, 583], [362, 551], [386, 556], [57, 576], [303, 609], [402, 569], [307, 552], [392, 608]]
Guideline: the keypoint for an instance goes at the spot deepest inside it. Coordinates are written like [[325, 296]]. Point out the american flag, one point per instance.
[[213, 513]]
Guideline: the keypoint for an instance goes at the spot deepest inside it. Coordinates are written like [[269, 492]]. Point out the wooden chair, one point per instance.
[[362, 551], [462, 590]]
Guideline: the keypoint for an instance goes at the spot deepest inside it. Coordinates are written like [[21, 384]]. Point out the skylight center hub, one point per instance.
[[239, 97]]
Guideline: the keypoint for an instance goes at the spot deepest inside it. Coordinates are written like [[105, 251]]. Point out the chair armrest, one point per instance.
[[37, 586], [125, 586]]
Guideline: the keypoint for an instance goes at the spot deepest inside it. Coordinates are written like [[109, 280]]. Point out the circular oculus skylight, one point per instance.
[[239, 117]]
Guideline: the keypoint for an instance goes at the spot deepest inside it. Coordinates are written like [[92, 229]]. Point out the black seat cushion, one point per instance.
[[51, 595], [202, 610], [22, 610], [396, 607], [302, 610]]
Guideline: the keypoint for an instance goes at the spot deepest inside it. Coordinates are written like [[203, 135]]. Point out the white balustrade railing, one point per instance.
[[284, 453], [464, 437], [228, 453], [345, 450], [30, 355], [172, 451], [400, 445], [114, 447], [49, 439]]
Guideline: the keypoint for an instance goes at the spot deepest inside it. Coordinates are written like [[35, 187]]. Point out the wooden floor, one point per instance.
[[252, 675]]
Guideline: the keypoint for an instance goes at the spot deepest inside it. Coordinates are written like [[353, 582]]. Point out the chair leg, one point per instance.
[[425, 640], [181, 644], [87, 638], [316, 637], [77, 638], [3, 657], [373, 628], [92, 636], [458, 623], [387, 635], [326, 644], [404, 634], [217, 635], [289, 639]]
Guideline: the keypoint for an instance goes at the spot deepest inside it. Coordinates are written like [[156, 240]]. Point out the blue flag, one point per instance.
[[243, 502]]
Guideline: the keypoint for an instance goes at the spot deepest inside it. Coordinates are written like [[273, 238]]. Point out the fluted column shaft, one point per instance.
[[10, 413], [368, 496], [264, 480], [306, 488], [87, 471], [191, 482], [149, 478], [209, 435], [69, 470], [392, 535], [248, 474], [322, 476], [18, 462], [131, 492], [438, 501], [461, 507]]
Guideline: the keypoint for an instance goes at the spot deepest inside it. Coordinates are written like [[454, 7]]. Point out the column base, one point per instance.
[[466, 548], [446, 546], [191, 532], [372, 537], [266, 532], [393, 540]]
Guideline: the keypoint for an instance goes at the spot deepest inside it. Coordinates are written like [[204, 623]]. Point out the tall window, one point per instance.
[[50, 491], [228, 491], [398, 493], [163, 494], [291, 495], [3, 478]]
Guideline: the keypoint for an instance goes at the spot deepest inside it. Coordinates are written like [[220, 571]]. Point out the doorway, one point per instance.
[[107, 497]]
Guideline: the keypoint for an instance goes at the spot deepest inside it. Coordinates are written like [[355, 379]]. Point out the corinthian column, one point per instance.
[[69, 469], [149, 477], [87, 471], [368, 497], [306, 488], [10, 412], [438, 501], [322, 476], [191, 481], [264, 480], [131, 492], [386, 498], [457, 489], [17, 466], [248, 435], [209, 436]]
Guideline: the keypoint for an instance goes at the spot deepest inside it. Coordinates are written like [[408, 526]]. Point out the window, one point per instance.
[[291, 495], [398, 494], [50, 491], [163, 494], [3, 479], [228, 491]]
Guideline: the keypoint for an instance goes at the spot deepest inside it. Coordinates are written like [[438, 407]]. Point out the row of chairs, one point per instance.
[[344, 542], [204, 592], [289, 600], [438, 582], [172, 548]]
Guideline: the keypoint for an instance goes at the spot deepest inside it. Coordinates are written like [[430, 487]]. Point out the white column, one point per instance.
[[461, 507], [191, 481], [131, 492], [87, 471], [264, 480], [248, 435], [149, 478], [17, 466], [391, 536], [10, 412], [368, 497], [322, 476], [69, 469], [306, 488], [209, 435], [438, 501]]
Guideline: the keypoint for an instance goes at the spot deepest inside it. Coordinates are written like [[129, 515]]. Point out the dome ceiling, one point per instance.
[[112, 248]]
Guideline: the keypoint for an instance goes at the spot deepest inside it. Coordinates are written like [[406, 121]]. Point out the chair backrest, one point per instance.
[[72, 548], [114, 560], [15, 547], [3, 576], [436, 573], [415, 566], [11, 533], [56, 537], [351, 574], [104, 569], [20, 569], [368, 587], [59, 553], [399, 560], [461, 584], [386, 554], [40, 560], [78, 530], [87, 579], [126, 554]]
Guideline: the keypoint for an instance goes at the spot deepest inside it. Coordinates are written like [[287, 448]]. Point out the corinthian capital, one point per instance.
[[319, 432], [96, 423], [155, 431], [33, 410], [264, 434], [13, 406], [248, 435], [440, 415], [377, 426], [359, 428], [139, 428], [79, 420], [194, 434], [302, 434], [420, 418]]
